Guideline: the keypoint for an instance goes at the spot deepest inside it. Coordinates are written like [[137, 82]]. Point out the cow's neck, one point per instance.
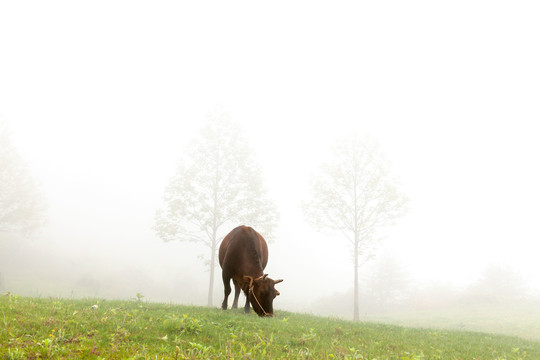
[[253, 262], [255, 272]]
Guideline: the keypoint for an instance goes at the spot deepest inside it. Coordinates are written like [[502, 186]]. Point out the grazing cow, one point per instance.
[[243, 255]]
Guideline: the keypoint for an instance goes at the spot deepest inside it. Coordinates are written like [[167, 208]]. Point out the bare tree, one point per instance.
[[354, 195], [22, 206], [217, 186]]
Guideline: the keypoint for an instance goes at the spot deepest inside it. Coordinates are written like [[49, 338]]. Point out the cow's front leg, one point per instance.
[[236, 294], [247, 307]]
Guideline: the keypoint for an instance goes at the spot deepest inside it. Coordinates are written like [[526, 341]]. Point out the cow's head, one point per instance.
[[262, 294]]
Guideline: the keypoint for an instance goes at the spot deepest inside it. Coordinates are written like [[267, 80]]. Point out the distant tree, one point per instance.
[[498, 284], [217, 187], [354, 195], [22, 206], [389, 282]]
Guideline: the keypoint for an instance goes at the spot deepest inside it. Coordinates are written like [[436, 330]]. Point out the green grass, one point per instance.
[[32, 328]]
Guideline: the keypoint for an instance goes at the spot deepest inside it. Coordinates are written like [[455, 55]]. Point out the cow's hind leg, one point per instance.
[[227, 285], [236, 294]]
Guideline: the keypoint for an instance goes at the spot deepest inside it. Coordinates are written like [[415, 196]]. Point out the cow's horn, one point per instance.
[[277, 281], [264, 276]]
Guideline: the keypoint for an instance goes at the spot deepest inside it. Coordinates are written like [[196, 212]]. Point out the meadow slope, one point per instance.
[[520, 319], [32, 328]]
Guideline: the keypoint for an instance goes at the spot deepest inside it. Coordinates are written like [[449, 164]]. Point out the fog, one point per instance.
[[102, 99]]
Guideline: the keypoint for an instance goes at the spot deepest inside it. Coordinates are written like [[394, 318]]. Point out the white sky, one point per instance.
[[102, 96]]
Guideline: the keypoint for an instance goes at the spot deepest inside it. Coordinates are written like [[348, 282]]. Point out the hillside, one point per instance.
[[520, 319], [32, 328]]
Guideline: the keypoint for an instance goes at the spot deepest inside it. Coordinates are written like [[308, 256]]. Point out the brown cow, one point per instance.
[[243, 255]]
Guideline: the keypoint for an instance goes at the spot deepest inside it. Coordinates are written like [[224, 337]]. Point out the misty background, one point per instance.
[[103, 98]]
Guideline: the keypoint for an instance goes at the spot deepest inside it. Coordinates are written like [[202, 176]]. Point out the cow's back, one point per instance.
[[243, 250]]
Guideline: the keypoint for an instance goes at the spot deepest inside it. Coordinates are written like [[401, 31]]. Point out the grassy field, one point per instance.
[[518, 319], [32, 328]]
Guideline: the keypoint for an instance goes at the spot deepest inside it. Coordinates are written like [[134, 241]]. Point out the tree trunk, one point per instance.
[[211, 285], [356, 311]]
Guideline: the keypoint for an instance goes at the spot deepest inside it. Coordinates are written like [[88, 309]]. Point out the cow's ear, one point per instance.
[[277, 293]]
